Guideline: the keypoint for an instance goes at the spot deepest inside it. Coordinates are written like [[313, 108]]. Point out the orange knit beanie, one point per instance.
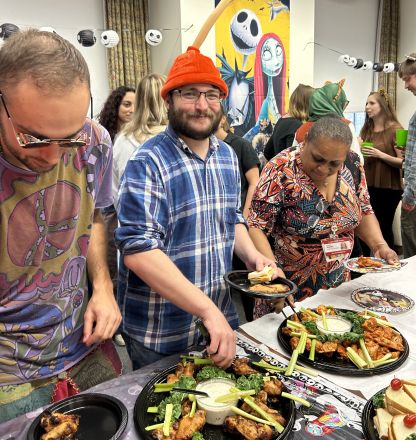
[[192, 67]]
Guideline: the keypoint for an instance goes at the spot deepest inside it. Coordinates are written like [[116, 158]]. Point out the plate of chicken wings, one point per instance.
[[188, 422], [372, 346]]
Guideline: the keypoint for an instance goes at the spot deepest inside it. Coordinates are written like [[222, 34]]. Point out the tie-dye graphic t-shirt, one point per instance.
[[45, 225]]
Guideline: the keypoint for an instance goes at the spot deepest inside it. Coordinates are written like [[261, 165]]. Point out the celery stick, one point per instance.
[[324, 321], [355, 358], [302, 342], [302, 401], [294, 324], [249, 416], [306, 370], [292, 363], [386, 361], [153, 409], [312, 352], [193, 408], [250, 402], [298, 334], [168, 417], [267, 366], [309, 312], [233, 396], [152, 427], [366, 354], [203, 361]]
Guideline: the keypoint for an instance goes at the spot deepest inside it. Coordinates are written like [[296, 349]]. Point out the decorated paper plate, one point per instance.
[[374, 265], [382, 300]]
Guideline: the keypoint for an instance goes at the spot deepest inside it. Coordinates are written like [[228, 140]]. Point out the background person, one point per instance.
[[306, 196], [285, 128], [149, 118], [329, 100], [51, 230], [382, 166], [179, 213], [407, 72], [117, 110]]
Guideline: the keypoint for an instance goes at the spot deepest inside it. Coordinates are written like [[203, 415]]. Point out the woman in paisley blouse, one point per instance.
[[307, 194]]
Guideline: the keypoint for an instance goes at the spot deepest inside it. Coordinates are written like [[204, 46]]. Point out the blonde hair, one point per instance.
[[299, 102], [150, 115]]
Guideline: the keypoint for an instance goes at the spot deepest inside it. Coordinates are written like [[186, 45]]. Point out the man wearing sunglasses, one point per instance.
[[55, 175], [179, 211]]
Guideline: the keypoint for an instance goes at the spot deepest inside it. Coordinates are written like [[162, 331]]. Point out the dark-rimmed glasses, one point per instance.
[[26, 140], [193, 95]]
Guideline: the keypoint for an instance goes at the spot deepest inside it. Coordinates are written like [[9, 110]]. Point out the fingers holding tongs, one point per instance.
[[290, 303]]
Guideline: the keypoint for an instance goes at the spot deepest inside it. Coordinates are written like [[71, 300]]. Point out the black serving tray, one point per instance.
[[337, 366]]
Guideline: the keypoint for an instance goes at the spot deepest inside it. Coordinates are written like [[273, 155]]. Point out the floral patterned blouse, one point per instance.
[[289, 208]]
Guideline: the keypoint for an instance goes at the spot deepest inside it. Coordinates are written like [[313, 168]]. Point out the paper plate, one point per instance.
[[352, 265], [382, 300], [100, 417]]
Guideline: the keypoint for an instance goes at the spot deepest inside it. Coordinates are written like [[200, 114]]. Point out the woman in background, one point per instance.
[[117, 110], [286, 126], [329, 100], [149, 119], [381, 164]]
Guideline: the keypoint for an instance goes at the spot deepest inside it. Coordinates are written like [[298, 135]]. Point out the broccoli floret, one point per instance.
[[250, 382], [176, 400], [311, 327], [197, 436], [378, 400], [186, 382], [356, 320], [211, 372]]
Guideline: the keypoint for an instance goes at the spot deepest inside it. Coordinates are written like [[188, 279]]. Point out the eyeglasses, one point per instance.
[[29, 141], [192, 96]]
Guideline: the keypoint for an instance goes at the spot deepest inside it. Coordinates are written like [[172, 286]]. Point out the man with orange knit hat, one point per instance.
[[180, 218]]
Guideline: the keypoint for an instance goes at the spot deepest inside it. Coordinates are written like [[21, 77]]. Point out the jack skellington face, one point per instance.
[[245, 31]]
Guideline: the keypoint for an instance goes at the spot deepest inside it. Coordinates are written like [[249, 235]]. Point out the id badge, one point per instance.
[[336, 249]]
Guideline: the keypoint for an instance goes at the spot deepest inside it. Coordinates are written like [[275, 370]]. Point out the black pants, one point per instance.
[[384, 202]]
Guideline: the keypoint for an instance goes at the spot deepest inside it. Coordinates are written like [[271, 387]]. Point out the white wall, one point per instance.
[[180, 22], [406, 102], [165, 15], [348, 27], [67, 18]]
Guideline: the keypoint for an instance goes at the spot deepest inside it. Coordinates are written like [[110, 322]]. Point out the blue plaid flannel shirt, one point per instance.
[[170, 199]]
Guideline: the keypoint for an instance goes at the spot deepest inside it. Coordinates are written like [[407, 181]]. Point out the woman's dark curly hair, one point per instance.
[[108, 116]]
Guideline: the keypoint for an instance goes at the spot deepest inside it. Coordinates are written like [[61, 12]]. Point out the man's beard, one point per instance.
[[178, 121]]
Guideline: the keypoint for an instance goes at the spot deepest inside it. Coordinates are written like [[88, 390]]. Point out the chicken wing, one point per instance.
[[241, 366], [189, 425]]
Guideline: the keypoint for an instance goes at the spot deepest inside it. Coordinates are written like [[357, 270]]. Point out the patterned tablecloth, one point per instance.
[[335, 412], [336, 403]]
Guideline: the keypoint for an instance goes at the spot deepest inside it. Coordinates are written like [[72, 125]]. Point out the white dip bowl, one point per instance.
[[336, 325], [215, 412]]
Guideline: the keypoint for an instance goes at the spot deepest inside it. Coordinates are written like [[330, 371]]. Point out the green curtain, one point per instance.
[[129, 61], [389, 43]]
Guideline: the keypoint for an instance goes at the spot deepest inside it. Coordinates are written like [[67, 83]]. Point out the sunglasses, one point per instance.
[[26, 140]]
